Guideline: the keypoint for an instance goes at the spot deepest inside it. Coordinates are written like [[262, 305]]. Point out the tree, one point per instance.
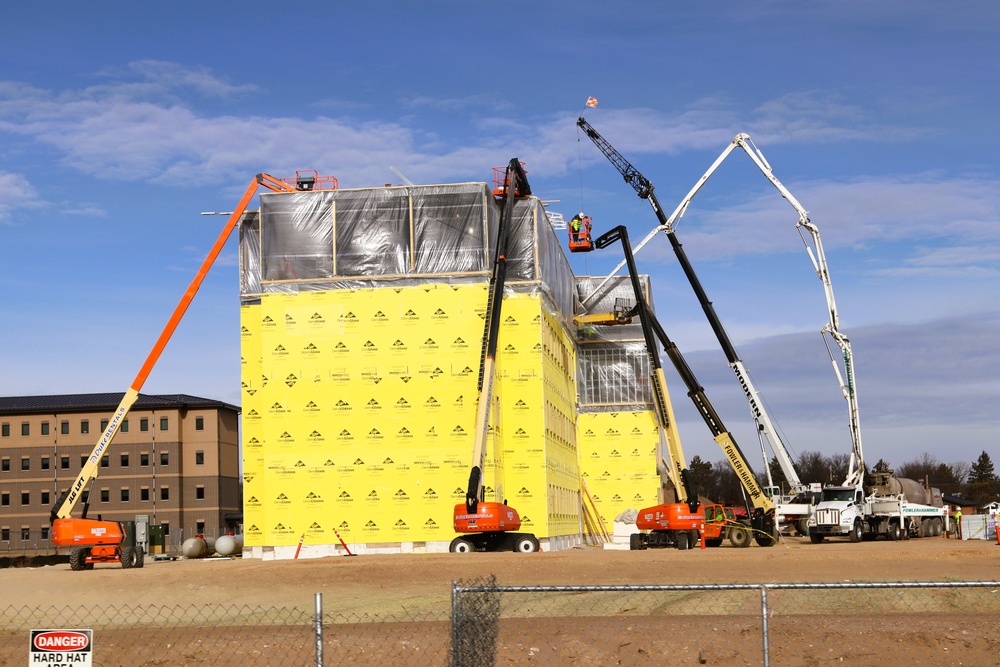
[[982, 486], [701, 474], [919, 469], [881, 466], [982, 470]]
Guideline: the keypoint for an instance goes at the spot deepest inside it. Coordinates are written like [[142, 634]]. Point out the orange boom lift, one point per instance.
[[97, 541], [487, 526]]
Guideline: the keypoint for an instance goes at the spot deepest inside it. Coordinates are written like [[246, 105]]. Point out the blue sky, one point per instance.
[[120, 123]]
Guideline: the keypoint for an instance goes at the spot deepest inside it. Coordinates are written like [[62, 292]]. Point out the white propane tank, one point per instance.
[[227, 545], [194, 547], [209, 546]]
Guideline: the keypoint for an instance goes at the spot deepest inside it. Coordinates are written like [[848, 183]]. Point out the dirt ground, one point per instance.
[[379, 585]]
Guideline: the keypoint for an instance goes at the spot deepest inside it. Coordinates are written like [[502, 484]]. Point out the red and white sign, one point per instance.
[[61, 648]]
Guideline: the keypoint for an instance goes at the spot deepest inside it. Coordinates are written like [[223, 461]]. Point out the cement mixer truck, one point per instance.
[[895, 507]]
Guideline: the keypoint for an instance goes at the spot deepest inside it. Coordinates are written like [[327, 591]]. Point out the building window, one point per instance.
[[85, 497], [45, 463], [83, 460], [164, 423], [64, 427], [164, 493], [84, 426], [105, 496], [199, 492], [5, 534], [124, 494], [45, 532], [25, 428], [45, 497], [166, 528], [4, 499], [25, 534], [199, 458], [164, 458], [144, 494], [5, 465], [144, 424], [199, 527], [25, 463], [64, 463], [125, 460], [105, 461], [124, 426], [25, 498], [104, 425], [5, 430], [199, 423], [45, 428], [144, 460]]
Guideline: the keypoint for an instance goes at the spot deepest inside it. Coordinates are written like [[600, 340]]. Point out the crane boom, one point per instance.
[[67, 501], [814, 248], [645, 190]]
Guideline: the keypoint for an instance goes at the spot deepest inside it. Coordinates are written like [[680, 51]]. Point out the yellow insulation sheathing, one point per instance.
[[359, 411]]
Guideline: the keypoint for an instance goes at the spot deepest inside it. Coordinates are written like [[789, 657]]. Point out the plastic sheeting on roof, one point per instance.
[[333, 239]]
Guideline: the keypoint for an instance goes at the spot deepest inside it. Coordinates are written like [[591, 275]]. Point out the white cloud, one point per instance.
[[17, 192]]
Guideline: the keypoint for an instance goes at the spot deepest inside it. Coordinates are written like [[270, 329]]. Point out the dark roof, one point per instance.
[[958, 500], [104, 402]]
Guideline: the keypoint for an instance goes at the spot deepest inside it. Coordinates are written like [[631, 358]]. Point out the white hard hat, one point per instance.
[[581, 215]]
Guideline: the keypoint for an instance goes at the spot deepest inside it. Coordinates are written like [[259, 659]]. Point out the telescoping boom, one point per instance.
[[97, 540], [814, 247]]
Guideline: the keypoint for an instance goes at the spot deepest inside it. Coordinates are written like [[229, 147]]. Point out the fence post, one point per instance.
[[454, 624], [319, 630], [763, 622]]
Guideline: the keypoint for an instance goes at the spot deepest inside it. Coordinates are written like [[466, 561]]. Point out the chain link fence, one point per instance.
[[940, 623]]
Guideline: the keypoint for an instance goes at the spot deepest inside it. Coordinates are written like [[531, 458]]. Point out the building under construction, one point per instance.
[[362, 318]]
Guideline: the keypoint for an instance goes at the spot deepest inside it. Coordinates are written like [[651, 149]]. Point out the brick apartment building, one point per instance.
[[175, 460]]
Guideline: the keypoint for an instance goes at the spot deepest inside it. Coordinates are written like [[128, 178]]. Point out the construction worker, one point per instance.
[[958, 522], [576, 223]]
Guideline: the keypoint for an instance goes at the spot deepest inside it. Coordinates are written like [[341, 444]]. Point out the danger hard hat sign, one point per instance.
[[58, 648]]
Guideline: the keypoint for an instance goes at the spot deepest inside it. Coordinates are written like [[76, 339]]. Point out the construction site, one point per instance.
[[423, 372], [362, 322]]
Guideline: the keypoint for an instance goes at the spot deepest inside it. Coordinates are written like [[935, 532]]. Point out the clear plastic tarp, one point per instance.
[[612, 361], [613, 376], [333, 239]]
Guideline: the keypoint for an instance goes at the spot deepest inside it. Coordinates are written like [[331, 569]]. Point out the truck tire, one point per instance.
[[739, 537], [76, 559], [682, 540], [127, 557], [895, 532], [816, 538], [635, 542], [856, 533], [460, 545], [526, 544], [138, 557]]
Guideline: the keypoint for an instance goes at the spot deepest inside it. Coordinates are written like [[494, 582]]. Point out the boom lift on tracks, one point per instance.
[[487, 526], [762, 513], [796, 507], [97, 540]]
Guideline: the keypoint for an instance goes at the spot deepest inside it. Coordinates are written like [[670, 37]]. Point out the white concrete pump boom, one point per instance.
[[765, 427]]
